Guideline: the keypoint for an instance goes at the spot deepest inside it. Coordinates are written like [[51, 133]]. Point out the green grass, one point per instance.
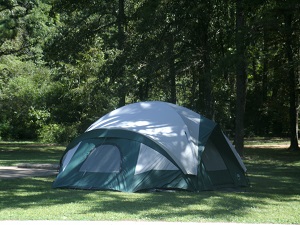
[[273, 197], [12, 153]]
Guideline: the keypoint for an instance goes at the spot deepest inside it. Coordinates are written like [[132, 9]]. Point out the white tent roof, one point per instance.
[[175, 128]]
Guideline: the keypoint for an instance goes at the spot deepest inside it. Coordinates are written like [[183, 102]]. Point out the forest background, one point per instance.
[[64, 64]]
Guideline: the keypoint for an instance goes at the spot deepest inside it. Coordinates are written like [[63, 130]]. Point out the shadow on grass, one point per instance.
[[34, 193], [12, 153], [179, 206], [274, 174], [273, 171]]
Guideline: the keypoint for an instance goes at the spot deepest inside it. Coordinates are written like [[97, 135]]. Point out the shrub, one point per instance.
[[57, 133]]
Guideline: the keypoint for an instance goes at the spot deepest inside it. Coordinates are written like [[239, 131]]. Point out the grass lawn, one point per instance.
[[12, 153], [274, 195]]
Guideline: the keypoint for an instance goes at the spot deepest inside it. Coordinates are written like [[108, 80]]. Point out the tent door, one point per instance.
[[215, 165]]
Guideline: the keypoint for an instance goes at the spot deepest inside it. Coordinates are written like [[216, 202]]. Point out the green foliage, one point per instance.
[[22, 97], [84, 88], [67, 63], [56, 133]]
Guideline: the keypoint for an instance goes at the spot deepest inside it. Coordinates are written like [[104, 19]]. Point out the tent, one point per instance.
[[151, 145]]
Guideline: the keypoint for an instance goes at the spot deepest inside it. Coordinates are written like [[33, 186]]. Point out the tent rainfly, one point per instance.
[[151, 145]]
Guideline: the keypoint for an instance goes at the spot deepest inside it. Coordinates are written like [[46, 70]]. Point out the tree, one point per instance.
[[24, 28], [241, 76], [122, 51], [25, 80], [22, 98], [85, 22], [121, 21], [293, 97]]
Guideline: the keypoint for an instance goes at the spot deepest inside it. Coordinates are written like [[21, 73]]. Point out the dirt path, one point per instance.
[[8, 172]]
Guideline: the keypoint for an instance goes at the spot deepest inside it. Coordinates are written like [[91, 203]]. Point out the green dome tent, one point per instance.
[[151, 145]]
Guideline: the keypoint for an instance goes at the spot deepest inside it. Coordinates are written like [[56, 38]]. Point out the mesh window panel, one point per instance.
[[149, 159], [103, 159]]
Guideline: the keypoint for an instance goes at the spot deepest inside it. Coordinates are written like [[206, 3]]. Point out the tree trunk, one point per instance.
[[172, 72], [241, 77], [121, 44], [265, 67], [293, 101], [193, 97], [208, 103], [143, 91]]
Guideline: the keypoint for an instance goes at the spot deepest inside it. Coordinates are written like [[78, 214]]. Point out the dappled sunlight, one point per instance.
[[165, 128], [109, 122], [182, 206], [174, 128], [35, 197], [156, 131], [275, 187], [279, 154], [273, 170]]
